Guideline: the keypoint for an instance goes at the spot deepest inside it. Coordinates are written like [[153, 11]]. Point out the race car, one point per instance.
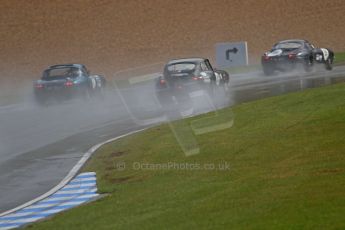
[[67, 81], [291, 54], [183, 77]]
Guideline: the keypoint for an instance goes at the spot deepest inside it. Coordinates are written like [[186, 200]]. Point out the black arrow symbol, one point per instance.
[[227, 52]]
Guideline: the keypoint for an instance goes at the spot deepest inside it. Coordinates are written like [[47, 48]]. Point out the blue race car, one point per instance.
[[66, 81]]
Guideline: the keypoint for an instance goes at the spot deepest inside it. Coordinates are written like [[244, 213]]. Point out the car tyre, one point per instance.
[[268, 71], [86, 94], [308, 65], [328, 64], [40, 101]]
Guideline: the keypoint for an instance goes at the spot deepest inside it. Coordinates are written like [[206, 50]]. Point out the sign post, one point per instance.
[[231, 54]]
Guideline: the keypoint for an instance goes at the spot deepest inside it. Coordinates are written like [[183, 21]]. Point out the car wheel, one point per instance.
[[308, 65], [40, 101], [226, 87], [98, 93], [164, 99], [267, 70], [86, 94], [328, 64]]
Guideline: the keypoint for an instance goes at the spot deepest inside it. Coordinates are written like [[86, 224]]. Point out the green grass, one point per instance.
[[339, 58], [287, 171]]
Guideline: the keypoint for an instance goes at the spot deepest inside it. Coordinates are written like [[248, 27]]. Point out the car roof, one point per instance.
[[292, 40], [174, 61], [66, 65]]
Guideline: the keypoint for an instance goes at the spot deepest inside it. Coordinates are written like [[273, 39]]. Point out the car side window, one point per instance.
[[84, 71], [309, 46], [203, 66], [208, 64]]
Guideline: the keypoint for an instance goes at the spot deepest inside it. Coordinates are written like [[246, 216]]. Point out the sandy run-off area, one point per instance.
[[111, 35]]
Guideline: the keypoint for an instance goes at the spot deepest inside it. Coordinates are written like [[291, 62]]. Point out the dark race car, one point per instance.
[[183, 77], [290, 54], [61, 82]]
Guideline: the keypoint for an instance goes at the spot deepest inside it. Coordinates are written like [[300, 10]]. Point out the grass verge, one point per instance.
[[280, 166], [339, 58]]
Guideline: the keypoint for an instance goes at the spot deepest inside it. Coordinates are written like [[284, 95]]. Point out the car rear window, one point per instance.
[[181, 67], [61, 73], [288, 45]]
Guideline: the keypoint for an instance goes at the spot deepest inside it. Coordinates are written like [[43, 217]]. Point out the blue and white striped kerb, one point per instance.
[[79, 190]]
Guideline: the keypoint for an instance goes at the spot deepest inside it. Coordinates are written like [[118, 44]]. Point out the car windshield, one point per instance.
[[182, 67], [61, 73], [288, 45]]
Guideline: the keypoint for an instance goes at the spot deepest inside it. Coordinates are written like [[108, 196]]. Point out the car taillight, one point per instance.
[[292, 56], [38, 86], [68, 84], [266, 58], [197, 78]]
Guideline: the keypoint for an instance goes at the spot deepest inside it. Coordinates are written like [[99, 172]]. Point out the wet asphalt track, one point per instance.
[[38, 146]]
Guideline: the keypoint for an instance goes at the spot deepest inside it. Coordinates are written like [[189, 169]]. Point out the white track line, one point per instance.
[[69, 176]]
